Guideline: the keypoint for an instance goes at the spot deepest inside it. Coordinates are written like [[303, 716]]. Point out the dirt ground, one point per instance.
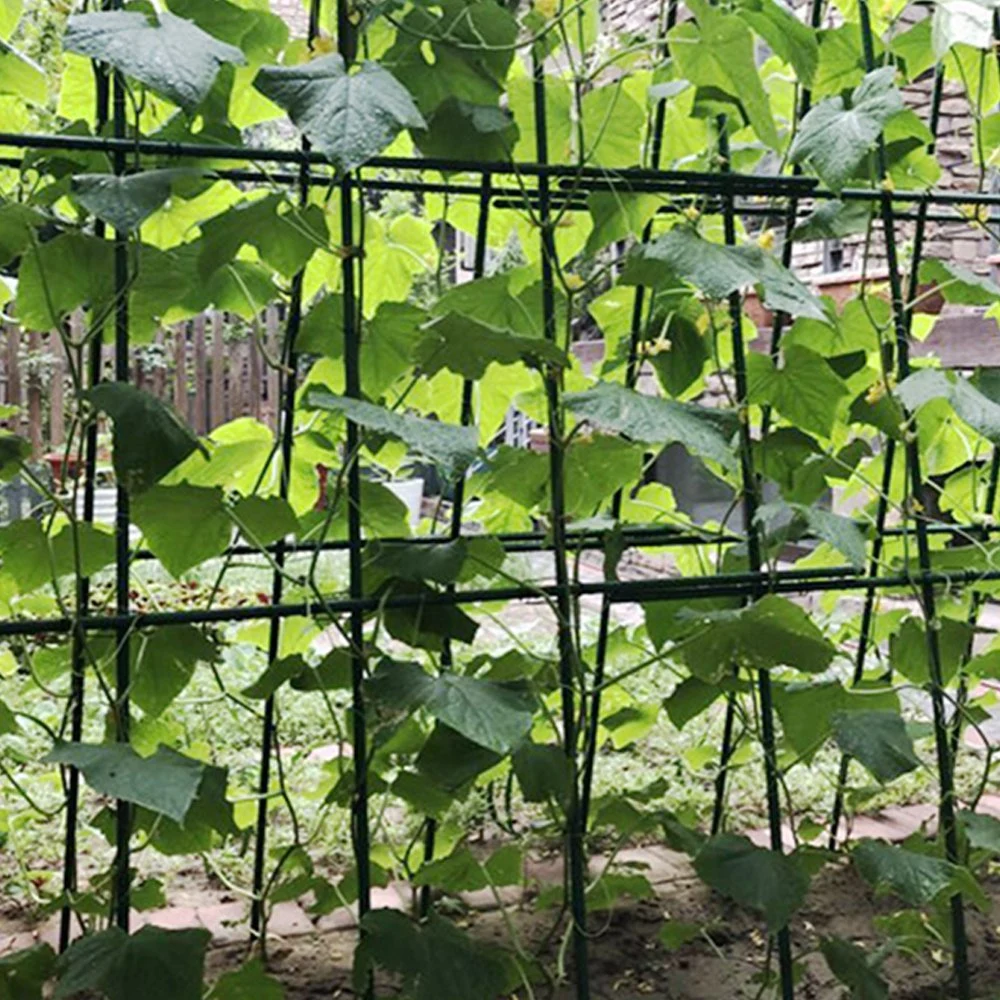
[[627, 961]]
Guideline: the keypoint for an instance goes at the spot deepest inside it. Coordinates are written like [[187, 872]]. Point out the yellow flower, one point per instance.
[[573, 282], [547, 8], [877, 391], [766, 240], [321, 46], [692, 213], [888, 184]]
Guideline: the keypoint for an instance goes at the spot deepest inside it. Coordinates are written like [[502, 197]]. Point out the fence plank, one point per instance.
[[34, 393], [180, 371], [273, 322], [255, 389], [14, 374], [199, 418], [217, 399], [57, 405]]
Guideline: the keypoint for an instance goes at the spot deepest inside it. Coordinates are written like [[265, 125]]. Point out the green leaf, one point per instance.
[[148, 438], [961, 22], [494, 716], [264, 520], [721, 55], [348, 116], [981, 830], [10, 14], [14, 451], [21, 76], [8, 721], [165, 663], [804, 389], [166, 783], [957, 284], [467, 348], [461, 871], [450, 760], [976, 409], [24, 973], [332, 673], [807, 710], [878, 740], [613, 127], [285, 235], [60, 275], [249, 982], [170, 55], [492, 302], [440, 563], [126, 202], [154, 963], [834, 138], [918, 879], [839, 531], [704, 432], [910, 657], [674, 934], [458, 130], [767, 881], [542, 770], [450, 447], [618, 215], [183, 525], [787, 36], [436, 960], [689, 699], [278, 672], [854, 969], [833, 220], [770, 632], [719, 271]]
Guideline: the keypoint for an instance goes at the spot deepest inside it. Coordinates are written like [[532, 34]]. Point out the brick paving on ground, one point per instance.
[[226, 919]]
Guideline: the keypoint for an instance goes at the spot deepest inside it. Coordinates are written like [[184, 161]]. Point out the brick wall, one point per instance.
[[958, 242]]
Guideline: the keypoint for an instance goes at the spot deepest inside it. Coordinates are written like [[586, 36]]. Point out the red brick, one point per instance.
[[227, 922]]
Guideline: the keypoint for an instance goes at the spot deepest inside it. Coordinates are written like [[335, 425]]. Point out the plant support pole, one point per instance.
[[123, 810], [750, 506], [631, 375], [458, 499], [576, 867], [927, 596], [290, 365]]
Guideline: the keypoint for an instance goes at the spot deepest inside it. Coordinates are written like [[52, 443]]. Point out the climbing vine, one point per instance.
[[652, 190]]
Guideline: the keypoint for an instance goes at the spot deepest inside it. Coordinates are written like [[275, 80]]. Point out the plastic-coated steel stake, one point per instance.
[[287, 431], [79, 652], [352, 385], [777, 328], [868, 613], [458, 498], [927, 596], [123, 810], [567, 653], [621, 592], [750, 506], [593, 716]]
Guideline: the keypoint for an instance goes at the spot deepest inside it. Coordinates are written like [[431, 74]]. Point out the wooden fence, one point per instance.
[[207, 371]]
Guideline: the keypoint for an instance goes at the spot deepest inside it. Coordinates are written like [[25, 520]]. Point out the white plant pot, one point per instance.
[[411, 492]]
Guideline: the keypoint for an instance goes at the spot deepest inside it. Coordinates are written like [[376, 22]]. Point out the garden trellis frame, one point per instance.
[[542, 188]]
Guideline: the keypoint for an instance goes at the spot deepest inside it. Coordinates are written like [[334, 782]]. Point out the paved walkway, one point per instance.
[[227, 918]]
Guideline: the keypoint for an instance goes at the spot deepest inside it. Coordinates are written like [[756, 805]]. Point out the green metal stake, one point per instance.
[[567, 654], [928, 599]]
